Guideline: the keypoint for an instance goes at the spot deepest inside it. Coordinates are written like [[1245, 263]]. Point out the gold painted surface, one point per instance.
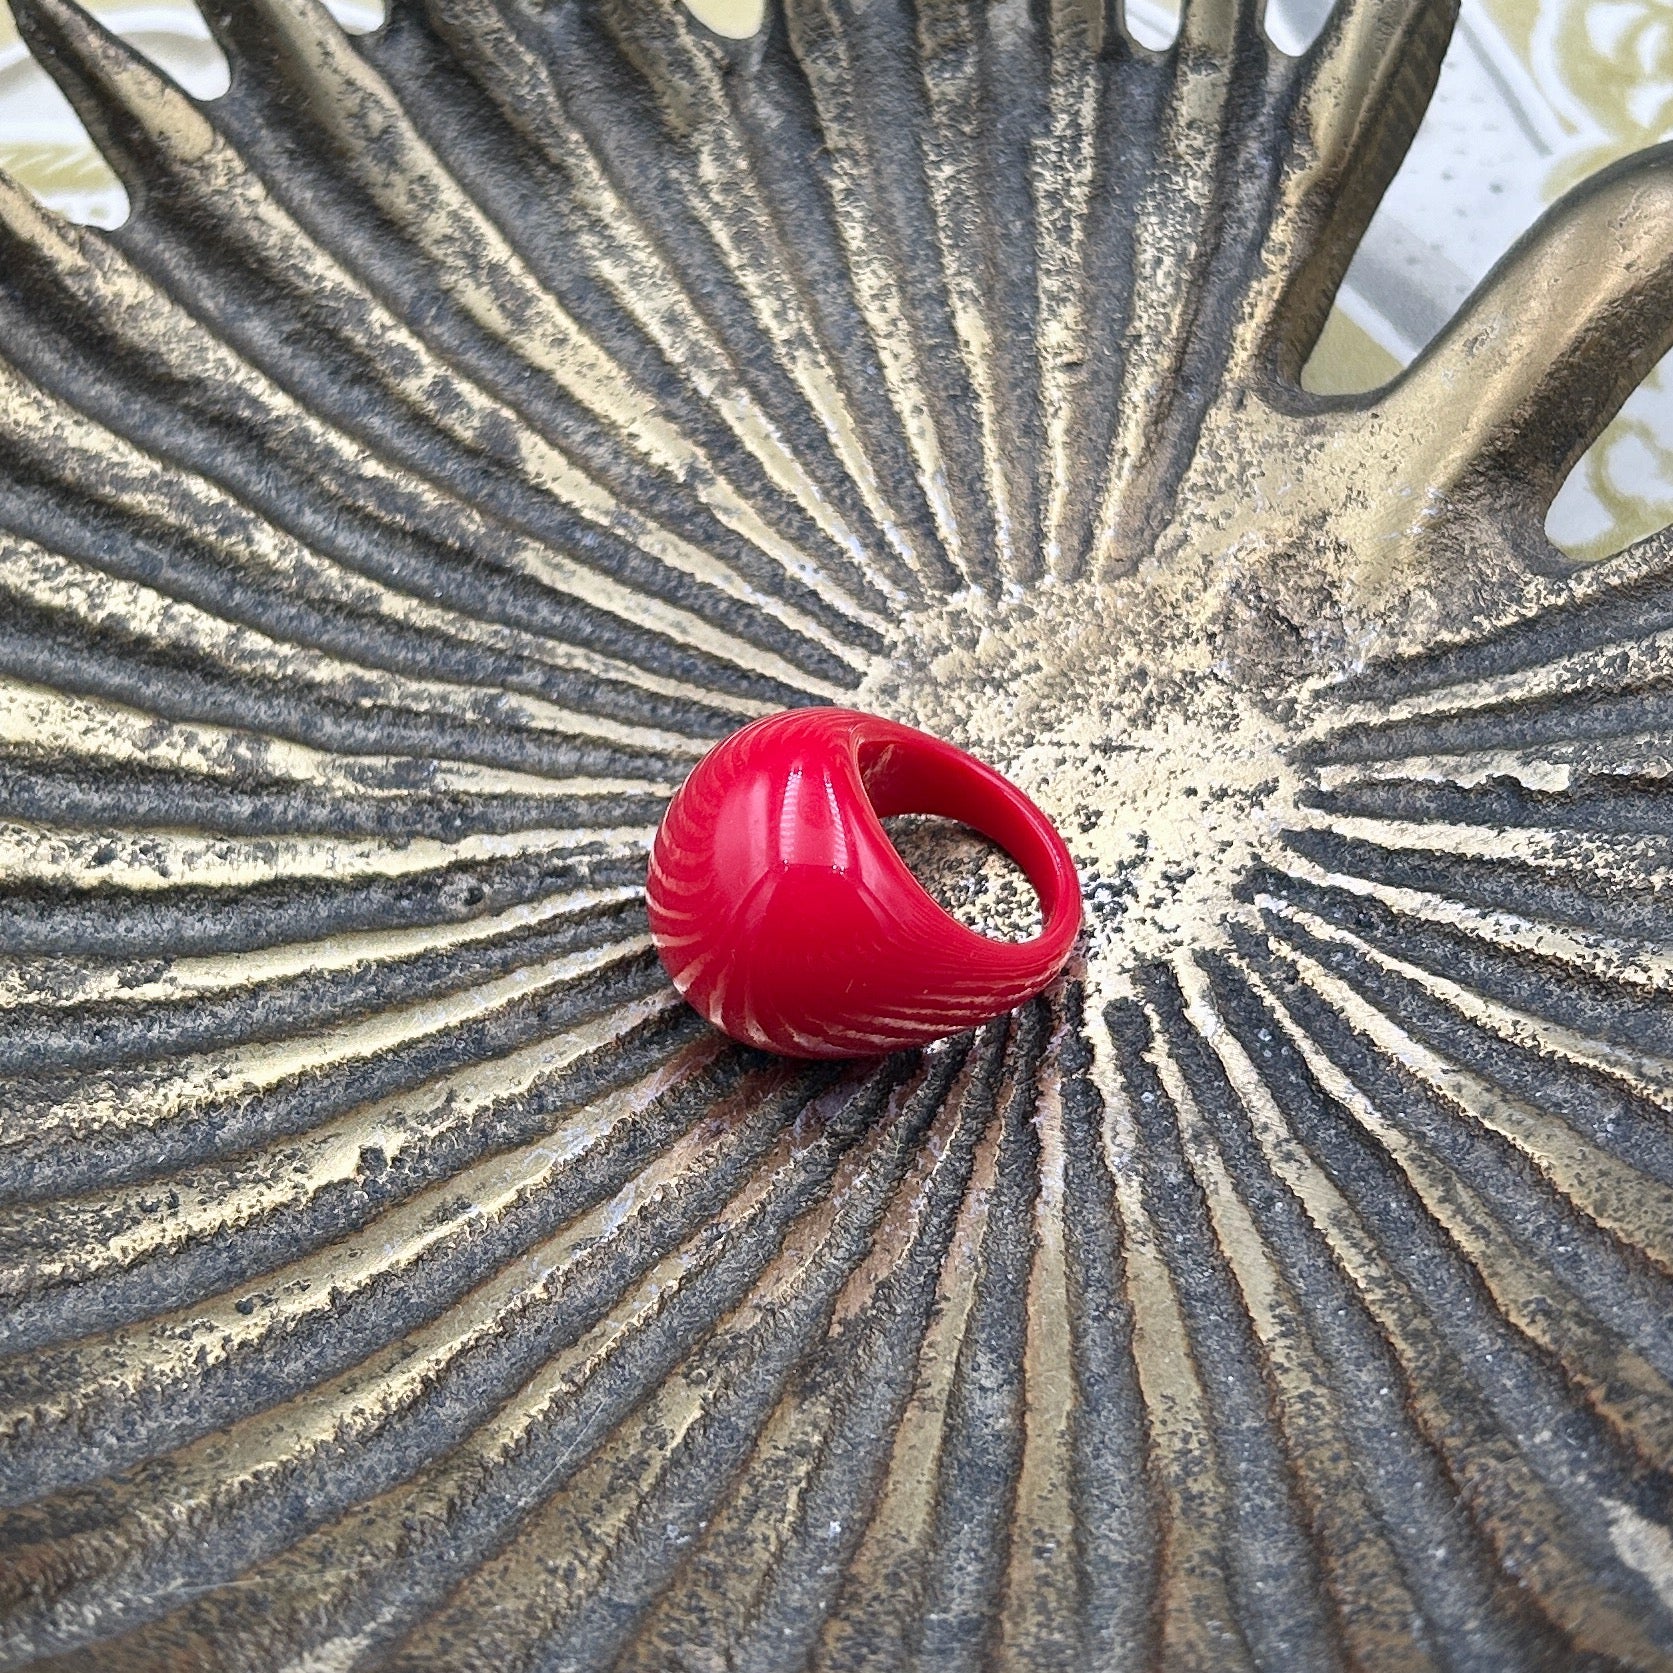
[[1612, 69], [737, 18]]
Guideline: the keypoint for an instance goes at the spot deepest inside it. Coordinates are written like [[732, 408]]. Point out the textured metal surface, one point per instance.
[[476, 420]]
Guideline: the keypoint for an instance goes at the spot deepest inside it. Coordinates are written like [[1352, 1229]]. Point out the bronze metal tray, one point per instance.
[[473, 422]]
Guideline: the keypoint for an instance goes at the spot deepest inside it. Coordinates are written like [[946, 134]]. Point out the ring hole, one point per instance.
[[967, 876]]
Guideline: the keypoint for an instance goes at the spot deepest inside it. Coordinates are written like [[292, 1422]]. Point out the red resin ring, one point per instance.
[[785, 915]]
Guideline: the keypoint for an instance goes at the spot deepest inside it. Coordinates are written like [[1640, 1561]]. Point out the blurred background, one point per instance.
[[1534, 95]]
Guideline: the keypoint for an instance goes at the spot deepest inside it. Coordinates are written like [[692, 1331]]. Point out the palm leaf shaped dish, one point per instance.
[[476, 420]]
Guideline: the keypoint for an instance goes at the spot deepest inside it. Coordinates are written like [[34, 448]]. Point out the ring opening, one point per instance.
[[905, 772], [969, 876]]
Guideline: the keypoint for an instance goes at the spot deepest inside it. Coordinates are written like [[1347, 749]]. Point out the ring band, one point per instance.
[[783, 912]]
